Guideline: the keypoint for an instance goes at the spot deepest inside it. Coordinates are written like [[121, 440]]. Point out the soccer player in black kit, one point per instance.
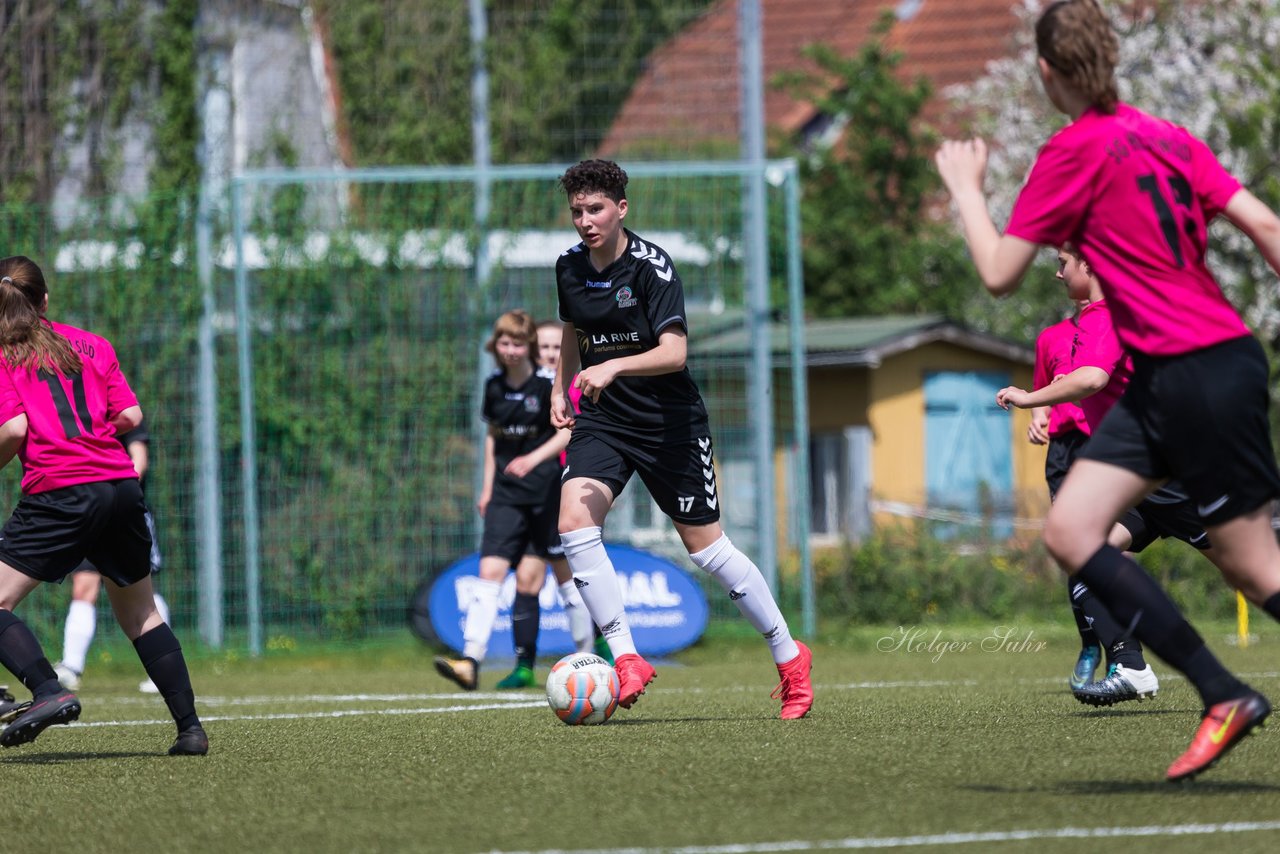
[[625, 336], [519, 501]]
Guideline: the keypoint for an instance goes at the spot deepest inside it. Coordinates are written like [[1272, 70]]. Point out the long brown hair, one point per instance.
[[26, 340], [1076, 39]]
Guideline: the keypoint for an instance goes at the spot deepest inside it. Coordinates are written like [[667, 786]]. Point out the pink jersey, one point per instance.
[[1136, 193], [1097, 346], [69, 436], [575, 395], [1053, 357]]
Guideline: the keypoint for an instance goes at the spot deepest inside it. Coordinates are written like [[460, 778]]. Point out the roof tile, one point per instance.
[[688, 98]]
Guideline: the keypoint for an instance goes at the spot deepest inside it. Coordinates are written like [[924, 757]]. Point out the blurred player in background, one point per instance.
[[63, 405], [519, 498], [1135, 193], [86, 582], [1063, 429], [626, 339]]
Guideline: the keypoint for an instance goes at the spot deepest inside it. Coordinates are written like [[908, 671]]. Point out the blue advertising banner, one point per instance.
[[665, 605]]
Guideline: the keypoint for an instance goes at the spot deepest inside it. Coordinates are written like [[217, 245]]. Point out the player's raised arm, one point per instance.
[[1001, 259]]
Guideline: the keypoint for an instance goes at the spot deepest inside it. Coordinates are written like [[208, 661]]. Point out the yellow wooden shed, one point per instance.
[[904, 426]]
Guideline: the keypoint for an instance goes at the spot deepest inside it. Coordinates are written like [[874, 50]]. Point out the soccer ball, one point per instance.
[[582, 689]]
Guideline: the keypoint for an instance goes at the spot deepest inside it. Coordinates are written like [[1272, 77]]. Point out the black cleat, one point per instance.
[[465, 671], [10, 707], [192, 741], [60, 708], [9, 704]]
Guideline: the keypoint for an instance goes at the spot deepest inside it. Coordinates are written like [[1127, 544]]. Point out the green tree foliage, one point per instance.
[[73, 70], [870, 246], [559, 71]]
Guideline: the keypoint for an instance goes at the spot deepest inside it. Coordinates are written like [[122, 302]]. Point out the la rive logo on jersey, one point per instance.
[[625, 297]]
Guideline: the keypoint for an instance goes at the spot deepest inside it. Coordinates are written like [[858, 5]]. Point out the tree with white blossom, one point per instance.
[[1211, 66]]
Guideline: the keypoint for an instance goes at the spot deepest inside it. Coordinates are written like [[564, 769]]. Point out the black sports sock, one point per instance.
[[1120, 646], [1272, 606], [1133, 598], [524, 628], [1087, 636], [20, 652], [161, 655]]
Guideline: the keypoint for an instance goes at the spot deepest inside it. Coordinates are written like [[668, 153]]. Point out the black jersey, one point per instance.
[[520, 419], [620, 311]]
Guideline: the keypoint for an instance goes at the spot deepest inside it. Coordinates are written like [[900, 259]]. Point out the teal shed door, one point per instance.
[[968, 459]]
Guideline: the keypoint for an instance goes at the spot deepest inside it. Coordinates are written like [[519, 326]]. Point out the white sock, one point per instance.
[[579, 620], [742, 580], [82, 622], [481, 616], [597, 582], [163, 607]]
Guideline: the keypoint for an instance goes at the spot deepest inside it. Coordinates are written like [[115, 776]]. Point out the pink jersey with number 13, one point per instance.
[[1135, 193], [69, 437]]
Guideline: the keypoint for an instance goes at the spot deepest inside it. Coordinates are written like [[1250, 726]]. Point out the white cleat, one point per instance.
[[1120, 685], [68, 677]]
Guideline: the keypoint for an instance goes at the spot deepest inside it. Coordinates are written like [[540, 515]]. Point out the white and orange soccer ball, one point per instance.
[[582, 689]]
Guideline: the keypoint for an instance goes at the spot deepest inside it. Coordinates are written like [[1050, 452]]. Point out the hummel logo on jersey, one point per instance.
[[654, 257], [735, 595], [605, 285]]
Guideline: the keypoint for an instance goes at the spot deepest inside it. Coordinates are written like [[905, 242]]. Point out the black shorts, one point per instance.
[[50, 533], [680, 476], [1062, 453], [512, 531], [156, 560], [1201, 418], [1167, 512]]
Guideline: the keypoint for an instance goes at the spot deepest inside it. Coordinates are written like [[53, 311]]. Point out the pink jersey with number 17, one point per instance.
[[70, 439], [1135, 193]]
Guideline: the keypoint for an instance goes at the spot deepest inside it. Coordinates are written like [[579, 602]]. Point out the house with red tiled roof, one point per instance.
[[688, 98]]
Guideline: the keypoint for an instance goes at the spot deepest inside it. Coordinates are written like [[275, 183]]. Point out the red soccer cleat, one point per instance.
[[795, 690], [1223, 725], [633, 674]]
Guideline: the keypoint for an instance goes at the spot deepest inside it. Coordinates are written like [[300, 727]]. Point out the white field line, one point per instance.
[[514, 700], [338, 713], [940, 839]]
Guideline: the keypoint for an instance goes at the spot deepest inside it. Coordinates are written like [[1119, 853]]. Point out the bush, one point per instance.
[[900, 576]]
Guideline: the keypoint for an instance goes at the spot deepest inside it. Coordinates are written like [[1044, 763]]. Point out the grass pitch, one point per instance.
[[949, 739]]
